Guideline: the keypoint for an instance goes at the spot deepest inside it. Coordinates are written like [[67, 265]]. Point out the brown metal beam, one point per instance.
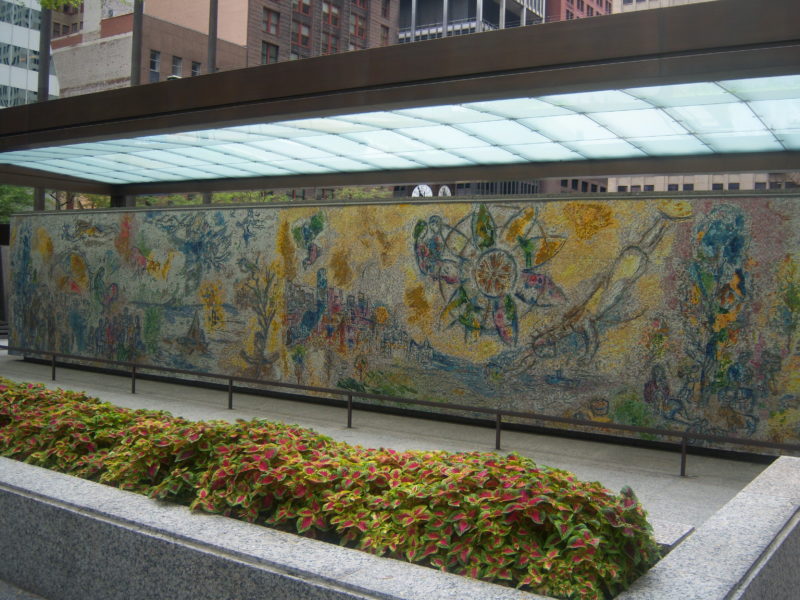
[[749, 162], [720, 40]]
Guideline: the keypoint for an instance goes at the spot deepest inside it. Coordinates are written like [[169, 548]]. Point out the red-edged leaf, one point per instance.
[[428, 550], [185, 455], [304, 524], [536, 516]]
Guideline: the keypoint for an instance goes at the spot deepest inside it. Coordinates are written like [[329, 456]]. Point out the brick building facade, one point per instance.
[[292, 29]]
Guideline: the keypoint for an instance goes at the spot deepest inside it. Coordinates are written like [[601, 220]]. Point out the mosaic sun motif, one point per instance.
[[488, 268]]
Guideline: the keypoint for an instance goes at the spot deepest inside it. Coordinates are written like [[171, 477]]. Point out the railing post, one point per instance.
[[133, 379], [683, 455], [53, 367], [230, 393], [497, 428], [349, 411]]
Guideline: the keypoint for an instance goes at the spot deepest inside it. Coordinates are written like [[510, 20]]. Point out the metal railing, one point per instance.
[[497, 413]]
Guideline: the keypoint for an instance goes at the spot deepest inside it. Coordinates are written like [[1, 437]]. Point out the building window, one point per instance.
[[627, 1], [564, 183], [301, 34], [584, 186], [155, 65], [271, 22], [384, 35], [330, 43], [649, 187], [177, 66], [570, 16], [608, 8], [196, 66], [790, 185], [733, 186], [774, 185], [589, 11], [386, 8], [688, 187], [56, 29], [716, 186], [581, 6], [360, 3], [358, 26], [303, 6], [330, 13], [672, 187], [636, 188], [574, 184], [760, 185], [622, 188], [269, 53]]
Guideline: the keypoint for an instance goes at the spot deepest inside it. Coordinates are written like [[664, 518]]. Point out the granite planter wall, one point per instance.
[[673, 314], [66, 538]]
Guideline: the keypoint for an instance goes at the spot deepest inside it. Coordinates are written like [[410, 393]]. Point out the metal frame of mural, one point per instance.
[[681, 314]]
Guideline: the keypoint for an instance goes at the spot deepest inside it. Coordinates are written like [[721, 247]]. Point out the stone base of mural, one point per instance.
[[65, 538], [671, 314]]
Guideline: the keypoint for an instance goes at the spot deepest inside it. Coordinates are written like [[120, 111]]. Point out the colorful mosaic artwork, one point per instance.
[[654, 313]]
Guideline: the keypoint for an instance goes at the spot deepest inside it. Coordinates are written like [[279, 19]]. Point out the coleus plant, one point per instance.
[[502, 519]]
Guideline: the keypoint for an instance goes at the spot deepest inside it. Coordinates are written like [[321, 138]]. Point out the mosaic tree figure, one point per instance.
[[715, 298], [256, 293]]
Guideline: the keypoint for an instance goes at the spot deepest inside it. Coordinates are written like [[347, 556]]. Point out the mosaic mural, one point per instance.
[[655, 313]]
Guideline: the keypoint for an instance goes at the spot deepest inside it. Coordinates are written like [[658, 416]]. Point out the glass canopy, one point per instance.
[[743, 115]]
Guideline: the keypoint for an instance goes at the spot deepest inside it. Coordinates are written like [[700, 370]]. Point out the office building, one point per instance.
[[19, 53], [464, 16]]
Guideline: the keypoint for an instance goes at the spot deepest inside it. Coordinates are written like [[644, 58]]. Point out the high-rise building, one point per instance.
[[629, 5], [20, 22], [566, 10], [464, 16], [278, 30]]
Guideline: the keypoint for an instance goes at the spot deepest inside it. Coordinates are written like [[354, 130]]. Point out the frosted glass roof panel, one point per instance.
[[790, 139], [442, 136], [504, 132], [671, 145], [724, 117], [778, 114], [718, 118], [569, 128], [730, 142], [437, 158], [647, 122], [386, 120], [684, 94], [597, 101], [764, 88], [545, 152], [520, 108], [497, 156], [388, 141], [450, 114], [605, 149]]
